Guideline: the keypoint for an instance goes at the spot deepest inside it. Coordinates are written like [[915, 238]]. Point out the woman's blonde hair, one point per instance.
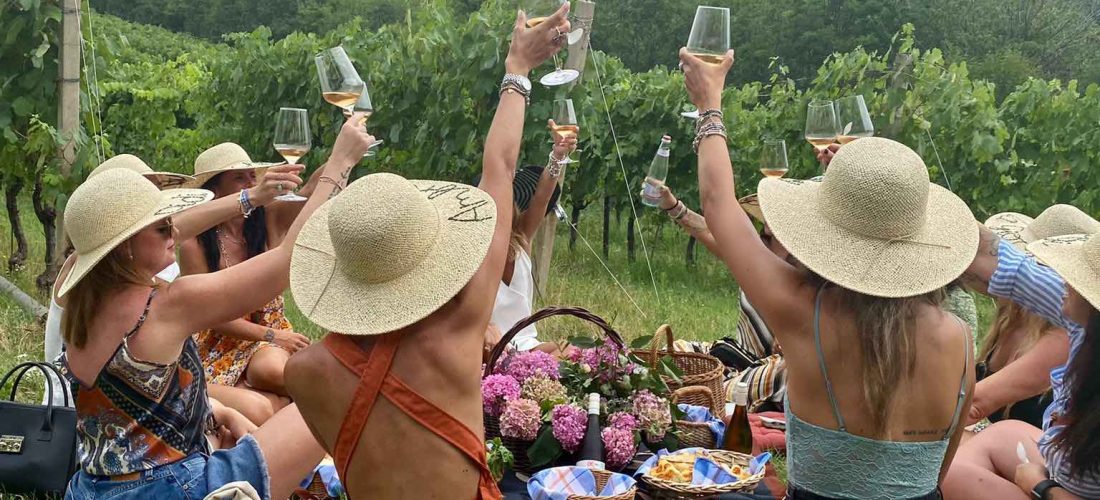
[[518, 241], [888, 343], [1011, 316], [83, 301]]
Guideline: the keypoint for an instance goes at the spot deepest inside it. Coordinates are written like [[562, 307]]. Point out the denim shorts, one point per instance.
[[189, 479]]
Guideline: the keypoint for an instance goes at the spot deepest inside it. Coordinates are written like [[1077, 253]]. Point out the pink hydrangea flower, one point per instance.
[[521, 419], [495, 390], [623, 420], [529, 364], [618, 446], [568, 423], [652, 413]]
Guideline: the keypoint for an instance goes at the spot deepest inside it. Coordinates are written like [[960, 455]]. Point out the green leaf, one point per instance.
[[641, 342], [545, 450], [582, 342]]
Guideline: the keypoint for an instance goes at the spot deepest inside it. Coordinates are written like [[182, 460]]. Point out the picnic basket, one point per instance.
[[666, 489], [699, 369]]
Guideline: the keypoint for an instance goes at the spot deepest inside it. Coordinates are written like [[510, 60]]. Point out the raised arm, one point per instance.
[[1022, 378], [529, 47], [979, 273], [194, 221], [536, 211], [767, 280], [196, 302]]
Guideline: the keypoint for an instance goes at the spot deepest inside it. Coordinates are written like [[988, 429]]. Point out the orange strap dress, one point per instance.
[[373, 369]]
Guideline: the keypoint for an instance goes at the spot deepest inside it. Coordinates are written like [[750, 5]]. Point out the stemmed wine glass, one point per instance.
[[821, 124], [340, 83], [292, 140], [773, 160], [855, 121], [538, 11], [364, 105], [709, 39], [565, 121]]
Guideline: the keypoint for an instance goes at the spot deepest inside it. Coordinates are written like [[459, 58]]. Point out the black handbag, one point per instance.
[[37, 443], [731, 354]]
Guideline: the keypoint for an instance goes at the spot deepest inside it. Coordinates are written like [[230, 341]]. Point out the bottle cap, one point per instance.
[[594, 403], [666, 138]]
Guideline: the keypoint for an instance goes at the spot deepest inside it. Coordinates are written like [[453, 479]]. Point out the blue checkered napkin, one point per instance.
[[559, 482], [708, 473]]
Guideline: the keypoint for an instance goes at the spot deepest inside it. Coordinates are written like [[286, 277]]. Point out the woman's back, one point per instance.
[[845, 456]]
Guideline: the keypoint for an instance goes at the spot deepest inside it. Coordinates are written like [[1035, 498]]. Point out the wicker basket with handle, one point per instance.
[[602, 477], [699, 369], [521, 463], [694, 434], [728, 459]]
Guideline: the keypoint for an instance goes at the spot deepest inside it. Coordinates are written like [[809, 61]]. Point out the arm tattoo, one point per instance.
[[337, 186]]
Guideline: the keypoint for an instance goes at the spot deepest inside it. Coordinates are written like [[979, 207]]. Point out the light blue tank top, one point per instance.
[[836, 464]]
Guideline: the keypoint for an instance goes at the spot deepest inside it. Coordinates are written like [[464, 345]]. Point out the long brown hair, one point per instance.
[[83, 301], [887, 342], [1080, 438]]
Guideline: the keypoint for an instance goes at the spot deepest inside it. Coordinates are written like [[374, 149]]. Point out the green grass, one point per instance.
[[699, 301]]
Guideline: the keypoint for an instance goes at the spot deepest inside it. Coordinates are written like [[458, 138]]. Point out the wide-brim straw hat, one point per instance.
[[163, 180], [388, 252], [1056, 220], [224, 157], [875, 224], [1077, 258], [751, 203], [524, 185], [111, 207]]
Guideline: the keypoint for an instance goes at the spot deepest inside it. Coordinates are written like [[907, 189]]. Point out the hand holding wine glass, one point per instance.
[[565, 138], [530, 47], [353, 142], [273, 182], [705, 80]]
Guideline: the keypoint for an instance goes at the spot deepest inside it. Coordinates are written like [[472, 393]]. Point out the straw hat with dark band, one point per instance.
[[163, 180], [1057, 220], [223, 158], [388, 252], [524, 185], [1077, 258], [112, 206], [874, 224]]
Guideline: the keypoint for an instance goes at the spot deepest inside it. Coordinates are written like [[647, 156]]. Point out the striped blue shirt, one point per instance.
[[1042, 291]]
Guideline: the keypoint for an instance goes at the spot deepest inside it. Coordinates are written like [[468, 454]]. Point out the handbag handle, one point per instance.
[[65, 390], [45, 368], [578, 312]]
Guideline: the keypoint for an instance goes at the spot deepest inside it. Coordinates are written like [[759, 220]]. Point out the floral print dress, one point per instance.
[[225, 358]]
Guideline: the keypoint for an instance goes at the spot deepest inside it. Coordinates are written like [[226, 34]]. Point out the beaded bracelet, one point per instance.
[[707, 131], [680, 215], [245, 203], [553, 166]]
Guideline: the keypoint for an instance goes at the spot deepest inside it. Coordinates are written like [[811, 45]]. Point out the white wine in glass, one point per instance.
[[709, 39], [855, 121], [821, 124], [565, 121], [538, 11], [773, 161], [340, 83], [292, 140]]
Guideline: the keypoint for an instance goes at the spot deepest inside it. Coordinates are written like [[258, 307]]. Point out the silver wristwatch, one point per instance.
[[519, 83]]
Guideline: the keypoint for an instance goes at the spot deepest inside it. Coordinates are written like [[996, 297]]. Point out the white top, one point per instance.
[[514, 303], [53, 330]]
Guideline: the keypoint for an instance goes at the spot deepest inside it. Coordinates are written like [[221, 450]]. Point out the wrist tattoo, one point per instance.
[[269, 335], [337, 186]]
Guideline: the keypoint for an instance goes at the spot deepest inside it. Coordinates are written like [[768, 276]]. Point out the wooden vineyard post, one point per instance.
[[543, 244], [68, 110]]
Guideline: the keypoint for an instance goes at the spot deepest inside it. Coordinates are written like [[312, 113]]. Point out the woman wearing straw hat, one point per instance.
[[141, 400], [1021, 348], [403, 274], [187, 225], [244, 358], [878, 374], [1012, 459]]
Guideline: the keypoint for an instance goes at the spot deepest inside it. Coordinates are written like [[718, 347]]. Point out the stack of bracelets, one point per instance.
[[553, 165], [708, 124], [677, 211], [246, 205]]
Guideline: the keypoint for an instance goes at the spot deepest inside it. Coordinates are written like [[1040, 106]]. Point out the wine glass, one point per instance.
[[292, 140], [364, 105], [709, 39], [538, 11], [821, 124], [855, 121], [565, 121], [773, 160], [340, 83]]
